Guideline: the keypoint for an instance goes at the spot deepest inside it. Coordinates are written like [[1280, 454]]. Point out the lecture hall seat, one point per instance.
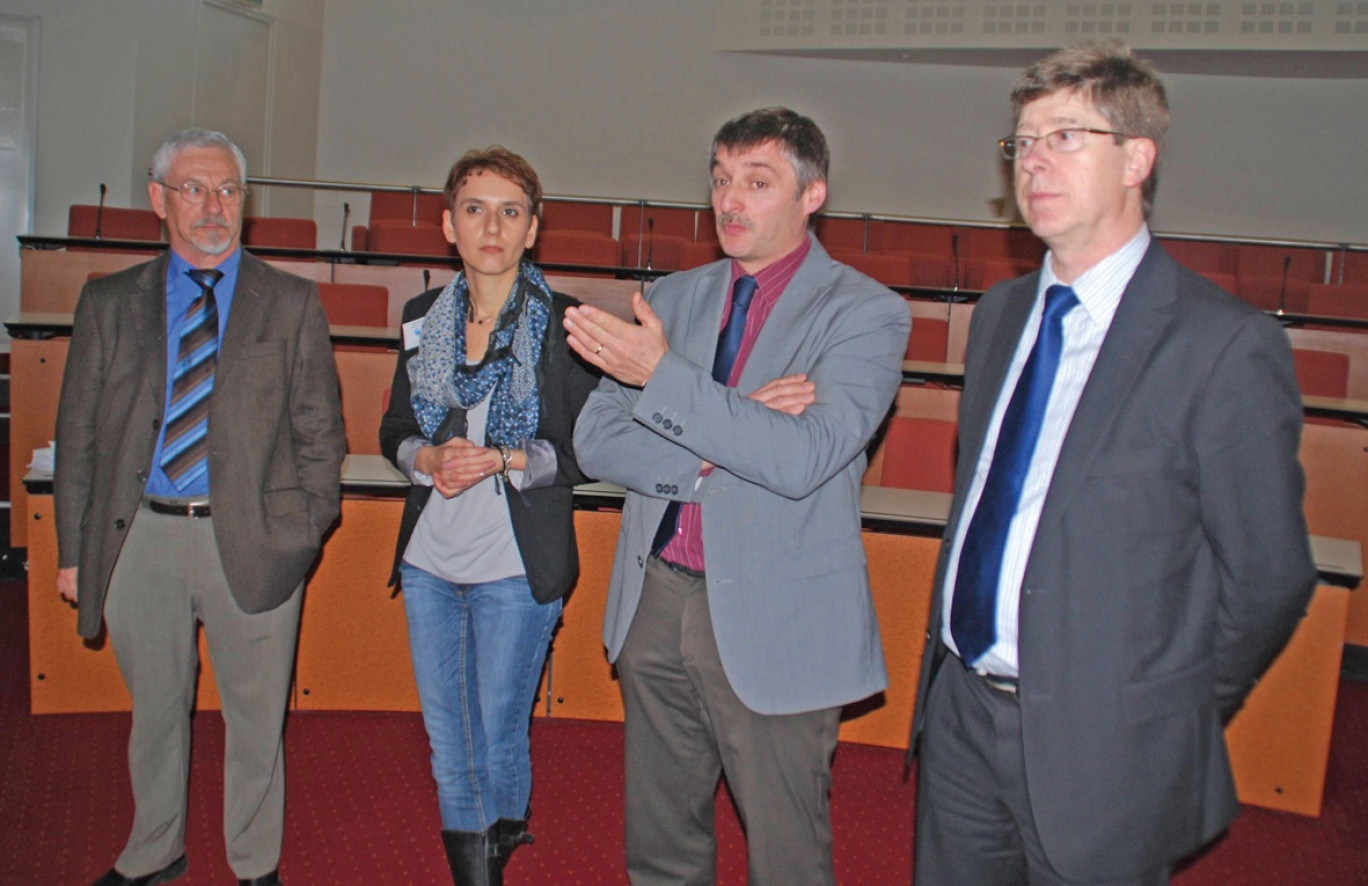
[[355, 304], [1350, 267], [291, 233], [577, 248], [563, 215], [1322, 373], [1344, 300], [890, 269], [929, 341], [116, 223], [1203, 256], [402, 238], [919, 453]]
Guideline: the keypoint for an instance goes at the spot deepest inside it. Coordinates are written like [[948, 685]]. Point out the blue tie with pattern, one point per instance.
[[185, 449], [974, 610], [728, 346]]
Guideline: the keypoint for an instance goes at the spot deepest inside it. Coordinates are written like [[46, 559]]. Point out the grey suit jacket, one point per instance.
[[787, 582], [1170, 565], [275, 430]]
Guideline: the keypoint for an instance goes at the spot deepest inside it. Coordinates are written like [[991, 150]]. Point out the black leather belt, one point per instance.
[[178, 508], [682, 570]]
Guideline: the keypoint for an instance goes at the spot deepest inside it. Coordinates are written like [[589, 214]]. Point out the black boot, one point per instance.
[[473, 857], [511, 833]]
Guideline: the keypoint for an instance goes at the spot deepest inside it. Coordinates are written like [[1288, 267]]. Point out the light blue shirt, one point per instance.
[[1099, 291], [180, 292]]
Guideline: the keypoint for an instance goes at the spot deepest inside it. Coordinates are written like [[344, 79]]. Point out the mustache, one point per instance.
[[218, 221], [732, 218]]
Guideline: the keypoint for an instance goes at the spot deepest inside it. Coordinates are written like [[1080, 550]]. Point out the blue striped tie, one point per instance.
[[973, 613], [185, 449]]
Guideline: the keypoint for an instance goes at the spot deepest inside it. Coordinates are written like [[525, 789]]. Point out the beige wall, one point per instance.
[[116, 77], [620, 97]]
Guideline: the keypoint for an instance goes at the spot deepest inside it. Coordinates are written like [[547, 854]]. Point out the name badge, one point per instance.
[[413, 331]]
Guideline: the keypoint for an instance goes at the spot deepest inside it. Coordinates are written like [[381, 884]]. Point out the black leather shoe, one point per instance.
[[271, 879], [175, 869]]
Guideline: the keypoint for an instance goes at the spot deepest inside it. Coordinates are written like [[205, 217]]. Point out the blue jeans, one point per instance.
[[478, 651]]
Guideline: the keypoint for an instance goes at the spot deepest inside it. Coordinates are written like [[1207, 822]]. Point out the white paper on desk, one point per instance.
[[44, 459]]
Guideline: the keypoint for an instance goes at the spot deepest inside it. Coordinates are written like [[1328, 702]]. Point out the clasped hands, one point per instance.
[[457, 465]]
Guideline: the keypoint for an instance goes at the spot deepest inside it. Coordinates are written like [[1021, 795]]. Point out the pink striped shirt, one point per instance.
[[686, 548]]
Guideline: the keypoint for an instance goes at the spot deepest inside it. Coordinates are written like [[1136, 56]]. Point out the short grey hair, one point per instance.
[[195, 138]]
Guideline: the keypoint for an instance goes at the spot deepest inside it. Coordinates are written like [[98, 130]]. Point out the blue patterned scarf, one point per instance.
[[441, 379]]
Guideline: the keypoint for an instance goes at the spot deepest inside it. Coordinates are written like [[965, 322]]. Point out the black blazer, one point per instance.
[[543, 523]]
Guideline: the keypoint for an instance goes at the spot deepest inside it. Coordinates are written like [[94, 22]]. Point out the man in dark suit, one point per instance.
[[1126, 550], [739, 664], [199, 449]]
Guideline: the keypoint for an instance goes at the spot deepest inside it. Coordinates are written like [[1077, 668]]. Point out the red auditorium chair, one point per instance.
[[929, 341], [291, 233], [1225, 281], [1203, 256], [1350, 267], [848, 234], [919, 453], [657, 241], [983, 273], [1272, 276], [577, 248], [403, 238], [1322, 373], [702, 252], [398, 206], [890, 269], [659, 252], [355, 304], [1345, 300], [115, 223], [563, 215]]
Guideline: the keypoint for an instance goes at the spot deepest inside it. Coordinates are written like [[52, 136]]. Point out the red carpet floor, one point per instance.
[[361, 808]]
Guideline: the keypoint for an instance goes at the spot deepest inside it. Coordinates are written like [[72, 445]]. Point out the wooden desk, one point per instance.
[[353, 637]]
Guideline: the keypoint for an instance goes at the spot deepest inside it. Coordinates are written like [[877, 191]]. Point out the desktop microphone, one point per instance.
[[1282, 292], [954, 256], [427, 279], [346, 214], [650, 241], [99, 211]]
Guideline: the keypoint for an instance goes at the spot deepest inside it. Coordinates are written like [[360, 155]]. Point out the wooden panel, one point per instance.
[[1280, 742], [583, 683], [365, 379], [353, 641], [901, 570], [35, 383], [66, 673], [1335, 458]]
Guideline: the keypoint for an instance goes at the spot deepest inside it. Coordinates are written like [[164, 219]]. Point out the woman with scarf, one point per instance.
[[482, 409]]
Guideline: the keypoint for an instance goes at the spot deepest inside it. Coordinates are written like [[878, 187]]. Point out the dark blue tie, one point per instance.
[[185, 448], [974, 610], [728, 346]]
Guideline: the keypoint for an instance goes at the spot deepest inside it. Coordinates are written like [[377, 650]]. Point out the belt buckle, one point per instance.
[[1005, 685]]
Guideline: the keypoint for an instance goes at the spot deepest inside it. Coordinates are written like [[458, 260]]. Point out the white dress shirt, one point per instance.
[[1099, 292]]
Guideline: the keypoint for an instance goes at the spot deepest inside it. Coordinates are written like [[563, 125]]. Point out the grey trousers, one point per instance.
[[974, 818], [169, 577], [685, 728]]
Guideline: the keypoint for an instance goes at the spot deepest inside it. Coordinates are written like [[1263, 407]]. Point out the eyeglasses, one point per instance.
[[1061, 141], [195, 193]]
